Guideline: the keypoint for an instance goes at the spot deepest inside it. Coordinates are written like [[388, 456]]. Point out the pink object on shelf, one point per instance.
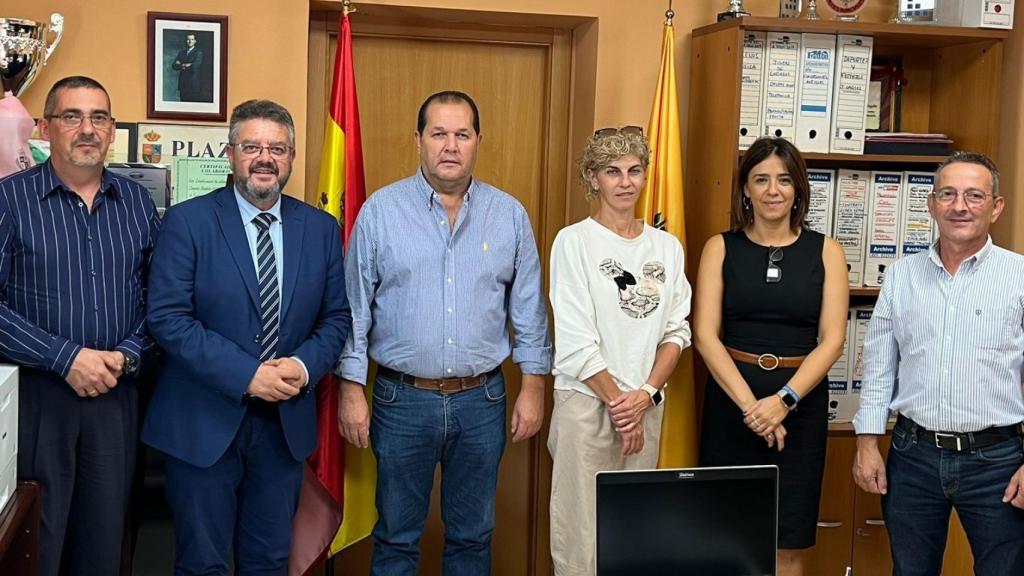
[[15, 127]]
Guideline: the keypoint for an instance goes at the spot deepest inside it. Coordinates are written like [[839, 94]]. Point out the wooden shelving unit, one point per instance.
[[953, 87]]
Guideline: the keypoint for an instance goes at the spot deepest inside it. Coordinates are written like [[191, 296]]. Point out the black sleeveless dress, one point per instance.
[[781, 319]]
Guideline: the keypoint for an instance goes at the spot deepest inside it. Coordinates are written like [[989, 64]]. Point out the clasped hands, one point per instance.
[[626, 412], [764, 418], [95, 372], [277, 379]]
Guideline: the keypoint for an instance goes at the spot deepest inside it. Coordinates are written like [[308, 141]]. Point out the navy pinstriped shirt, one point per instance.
[[71, 278]]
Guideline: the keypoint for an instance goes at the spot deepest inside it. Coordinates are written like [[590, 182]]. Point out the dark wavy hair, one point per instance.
[[759, 151]]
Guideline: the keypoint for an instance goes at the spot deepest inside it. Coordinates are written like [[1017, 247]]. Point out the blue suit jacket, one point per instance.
[[203, 310]]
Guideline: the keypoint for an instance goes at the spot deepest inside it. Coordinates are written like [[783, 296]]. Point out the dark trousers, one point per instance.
[[247, 499], [926, 482], [82, 453]]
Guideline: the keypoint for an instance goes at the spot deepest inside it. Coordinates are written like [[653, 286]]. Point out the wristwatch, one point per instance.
[[788, 398], [131, 365], [656, 396]]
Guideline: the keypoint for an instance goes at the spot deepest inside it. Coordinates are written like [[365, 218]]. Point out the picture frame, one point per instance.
[[886, 94], [125, 146], [187, 66]]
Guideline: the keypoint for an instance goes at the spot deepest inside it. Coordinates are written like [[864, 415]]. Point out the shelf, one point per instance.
[[883, 32], [864, 291], [833, 159]]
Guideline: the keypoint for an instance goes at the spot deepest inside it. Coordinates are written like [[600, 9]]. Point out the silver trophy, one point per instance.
[[24, 51], [735, 11]]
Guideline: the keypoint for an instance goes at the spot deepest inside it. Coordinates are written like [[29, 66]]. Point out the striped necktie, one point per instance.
[[270, 295]]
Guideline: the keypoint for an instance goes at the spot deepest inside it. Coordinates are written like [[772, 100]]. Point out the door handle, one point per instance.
[[829, 524], [874, 522]]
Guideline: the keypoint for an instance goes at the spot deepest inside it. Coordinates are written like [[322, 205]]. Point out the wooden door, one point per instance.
[[832, 554], [520, 82]]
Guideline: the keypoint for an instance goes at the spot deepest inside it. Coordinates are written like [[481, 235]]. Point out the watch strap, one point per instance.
[[656, 396]]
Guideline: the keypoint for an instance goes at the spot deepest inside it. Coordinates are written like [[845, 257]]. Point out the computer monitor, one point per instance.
[[699, 521]]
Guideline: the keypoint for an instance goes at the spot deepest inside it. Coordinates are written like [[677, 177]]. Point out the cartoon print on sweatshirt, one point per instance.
[[638, 297]]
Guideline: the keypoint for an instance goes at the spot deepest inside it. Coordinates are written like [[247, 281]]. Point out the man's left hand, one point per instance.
[[290, 370], [528, 414], [1014, 493]]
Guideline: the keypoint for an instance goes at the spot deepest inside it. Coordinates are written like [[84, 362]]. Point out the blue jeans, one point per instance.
[[925, 482], [411, 431]]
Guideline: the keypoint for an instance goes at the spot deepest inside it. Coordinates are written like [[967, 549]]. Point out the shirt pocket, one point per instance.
[[995, 326]]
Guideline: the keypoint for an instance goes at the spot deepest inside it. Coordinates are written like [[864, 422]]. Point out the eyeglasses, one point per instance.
[[971, 197], [278, 151], [636, 130], [99, 120], [774, 273]]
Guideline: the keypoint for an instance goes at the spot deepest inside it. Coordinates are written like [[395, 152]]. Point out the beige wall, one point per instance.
[[268, 43]]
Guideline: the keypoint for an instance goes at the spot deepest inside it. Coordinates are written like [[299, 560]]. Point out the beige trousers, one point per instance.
[[582, 442]]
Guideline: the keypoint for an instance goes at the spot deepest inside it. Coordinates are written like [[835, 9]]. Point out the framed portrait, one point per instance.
[[187, 67]]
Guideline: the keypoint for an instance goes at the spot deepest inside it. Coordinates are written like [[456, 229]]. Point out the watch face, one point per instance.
[[788, 399], [846, 7]]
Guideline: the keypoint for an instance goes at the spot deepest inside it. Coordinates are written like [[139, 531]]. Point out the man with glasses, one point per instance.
[[945, 350], [440, 267], [248, 301], [75, 245]]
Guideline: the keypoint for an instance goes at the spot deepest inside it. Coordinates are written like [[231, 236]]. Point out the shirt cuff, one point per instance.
[[533, 360], [871, 420], [61, 355], [304, 370], [352, 370]]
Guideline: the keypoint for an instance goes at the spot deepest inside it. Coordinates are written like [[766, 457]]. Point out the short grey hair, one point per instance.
[[70, 83], [964, 157], [261, 110]]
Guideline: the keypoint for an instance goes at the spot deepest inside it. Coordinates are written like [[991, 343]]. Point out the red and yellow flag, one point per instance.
[[661, 205], [336, 506]]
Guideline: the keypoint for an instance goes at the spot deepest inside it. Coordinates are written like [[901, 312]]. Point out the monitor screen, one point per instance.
[[701, 521]]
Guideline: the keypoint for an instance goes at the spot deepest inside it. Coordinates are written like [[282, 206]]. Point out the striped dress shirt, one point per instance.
[[72, 278], [946, 350], [437, 302]]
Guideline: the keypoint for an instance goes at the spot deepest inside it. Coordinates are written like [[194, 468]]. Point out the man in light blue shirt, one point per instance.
[[945, 350], [439, 267]]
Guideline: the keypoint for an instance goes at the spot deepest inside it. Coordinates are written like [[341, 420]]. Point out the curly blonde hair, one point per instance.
[[603, 149]]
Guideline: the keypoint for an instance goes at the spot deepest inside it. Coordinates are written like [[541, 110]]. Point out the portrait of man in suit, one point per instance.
[[248, 302], [189, 63]]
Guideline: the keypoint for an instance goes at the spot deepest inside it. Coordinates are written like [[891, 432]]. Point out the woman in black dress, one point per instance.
[[770, 320]]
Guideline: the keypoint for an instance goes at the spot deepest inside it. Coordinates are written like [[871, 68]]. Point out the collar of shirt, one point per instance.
[[429, 195], [249, 211], [977, 258], [51, 182]]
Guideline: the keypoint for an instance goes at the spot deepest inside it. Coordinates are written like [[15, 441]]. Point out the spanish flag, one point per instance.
[[336, 506], [661, 205]]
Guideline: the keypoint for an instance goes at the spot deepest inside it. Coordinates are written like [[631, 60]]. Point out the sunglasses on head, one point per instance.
[[624, 130]]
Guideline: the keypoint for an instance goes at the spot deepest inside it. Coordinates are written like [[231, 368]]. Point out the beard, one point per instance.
[[86, 159], [256, 194]]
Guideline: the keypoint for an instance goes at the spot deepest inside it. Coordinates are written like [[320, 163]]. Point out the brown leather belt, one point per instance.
[[442, 385], [766, 361]]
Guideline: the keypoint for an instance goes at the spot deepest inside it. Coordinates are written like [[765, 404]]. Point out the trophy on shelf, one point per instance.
[[812, 10], [735, 11], [846, 10], [23, 53]]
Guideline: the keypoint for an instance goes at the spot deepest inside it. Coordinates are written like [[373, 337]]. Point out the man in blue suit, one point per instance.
[[247, 298]]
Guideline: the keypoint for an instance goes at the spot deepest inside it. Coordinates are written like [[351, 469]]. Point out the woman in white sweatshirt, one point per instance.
[[620, 301]]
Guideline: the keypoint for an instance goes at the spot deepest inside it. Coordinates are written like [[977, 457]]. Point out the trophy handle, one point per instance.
[[57, 27]]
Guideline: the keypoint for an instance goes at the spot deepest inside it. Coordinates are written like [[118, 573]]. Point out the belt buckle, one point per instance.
[[939, 435], [761, 359], [443, 388]]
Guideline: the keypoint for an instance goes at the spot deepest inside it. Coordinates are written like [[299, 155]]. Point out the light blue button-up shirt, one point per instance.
[[946, 350], [435, 301]]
